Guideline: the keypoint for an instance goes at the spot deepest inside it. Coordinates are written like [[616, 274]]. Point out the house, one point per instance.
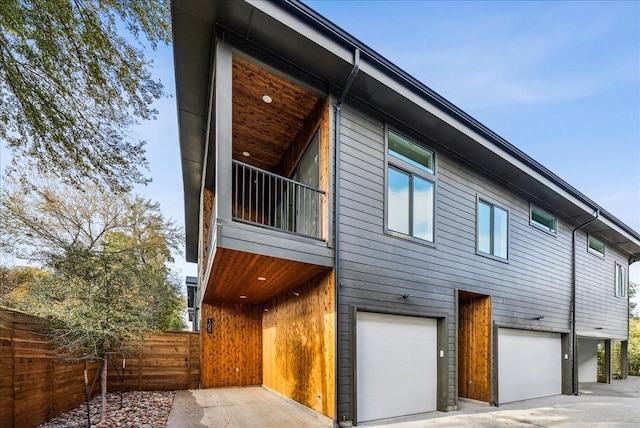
[[366, 248]]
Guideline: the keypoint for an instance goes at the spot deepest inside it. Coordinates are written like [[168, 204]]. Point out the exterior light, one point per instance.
[[267, 99]]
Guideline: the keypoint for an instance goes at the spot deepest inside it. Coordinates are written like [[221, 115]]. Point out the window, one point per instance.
[[621, 289], [595, 247], [410, 193], [493, 225], [543, 220]]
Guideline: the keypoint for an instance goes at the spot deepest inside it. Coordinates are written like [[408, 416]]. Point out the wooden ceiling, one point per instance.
[[265, 130], [235, 273]]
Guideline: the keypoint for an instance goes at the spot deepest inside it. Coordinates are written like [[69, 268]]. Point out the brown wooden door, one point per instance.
[[474, 346]]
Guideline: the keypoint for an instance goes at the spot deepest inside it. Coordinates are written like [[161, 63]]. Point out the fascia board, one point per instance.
[[287, 19]]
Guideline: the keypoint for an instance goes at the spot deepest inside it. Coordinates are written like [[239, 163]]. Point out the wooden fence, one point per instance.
[[166, 362], [35, 386]]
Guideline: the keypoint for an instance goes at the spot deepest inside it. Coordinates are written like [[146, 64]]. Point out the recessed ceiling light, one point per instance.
[[262, 278], [243, 297], [267, 99], [246, 154]]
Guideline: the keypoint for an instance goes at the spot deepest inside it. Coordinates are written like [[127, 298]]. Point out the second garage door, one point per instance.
[[396, 365], [529, 364]]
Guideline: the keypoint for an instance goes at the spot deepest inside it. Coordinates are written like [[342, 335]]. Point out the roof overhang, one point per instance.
[[326, 52]]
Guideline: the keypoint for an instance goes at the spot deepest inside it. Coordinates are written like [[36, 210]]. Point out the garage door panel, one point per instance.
[[529, 364], [396, 365]]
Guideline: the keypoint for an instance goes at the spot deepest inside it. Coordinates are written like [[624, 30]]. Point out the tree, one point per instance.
[[71, 86], [633, 290], [17, 284], [106, 256], [634, 346]]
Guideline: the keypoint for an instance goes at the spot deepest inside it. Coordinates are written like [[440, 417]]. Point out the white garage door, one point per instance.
[[588, 360], [396, 365], [529, 365]]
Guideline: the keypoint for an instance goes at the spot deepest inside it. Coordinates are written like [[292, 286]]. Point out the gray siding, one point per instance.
[[599, 313], [377, 268]]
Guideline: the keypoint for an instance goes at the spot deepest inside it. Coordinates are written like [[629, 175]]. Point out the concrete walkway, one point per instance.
[[616, 405], [240, 408]]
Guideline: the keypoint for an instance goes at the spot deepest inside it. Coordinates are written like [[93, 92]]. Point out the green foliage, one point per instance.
[[17, 284], [633, 290], [634, 346], [105, 256], [71, 86]]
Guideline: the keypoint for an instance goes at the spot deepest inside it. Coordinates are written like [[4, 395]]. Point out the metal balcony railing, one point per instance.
[[268, 200]]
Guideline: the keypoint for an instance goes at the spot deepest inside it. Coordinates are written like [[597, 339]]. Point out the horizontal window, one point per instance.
[[405, 150], [543, 220], [595, 246]]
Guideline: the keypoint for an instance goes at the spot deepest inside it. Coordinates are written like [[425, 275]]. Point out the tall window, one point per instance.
[[410, 189], [493, 225], [621, 289]]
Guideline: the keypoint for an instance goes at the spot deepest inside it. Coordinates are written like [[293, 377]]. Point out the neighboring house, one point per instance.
[[364, 246], [192, 291]]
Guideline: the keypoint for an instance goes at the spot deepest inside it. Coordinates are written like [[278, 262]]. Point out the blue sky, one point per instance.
[[559, 80]]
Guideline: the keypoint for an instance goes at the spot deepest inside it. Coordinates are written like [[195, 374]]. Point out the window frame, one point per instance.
[[400, 165], [594, 251], [492, 204], [540, 226], [619, 276]]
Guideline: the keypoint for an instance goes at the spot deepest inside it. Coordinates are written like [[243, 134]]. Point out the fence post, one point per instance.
[[188, 361], [13, 370], [140, 368]]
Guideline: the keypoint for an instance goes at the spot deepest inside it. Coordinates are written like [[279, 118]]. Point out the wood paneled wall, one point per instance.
[[232, 352], [323, 165], [298, 346], [474, 347], [165, 362], [35, 386], [301, 140]]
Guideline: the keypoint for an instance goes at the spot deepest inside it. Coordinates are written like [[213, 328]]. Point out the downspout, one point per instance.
[[337, 282], [574, 337]]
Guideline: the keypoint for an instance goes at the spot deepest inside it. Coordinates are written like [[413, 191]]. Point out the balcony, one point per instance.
[[266, 210]]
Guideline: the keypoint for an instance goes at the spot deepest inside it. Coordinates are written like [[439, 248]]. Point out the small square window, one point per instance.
[[543, 220], [595, 246], [621, 289]]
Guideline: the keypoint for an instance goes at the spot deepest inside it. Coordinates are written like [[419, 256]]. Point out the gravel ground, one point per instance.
[[140, 409]]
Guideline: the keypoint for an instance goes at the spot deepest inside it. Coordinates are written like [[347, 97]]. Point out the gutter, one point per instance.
[[336, 183], [574, 337]]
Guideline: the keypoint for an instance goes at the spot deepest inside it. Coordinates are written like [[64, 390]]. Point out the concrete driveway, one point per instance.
[[615, 405], [600, 405]]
